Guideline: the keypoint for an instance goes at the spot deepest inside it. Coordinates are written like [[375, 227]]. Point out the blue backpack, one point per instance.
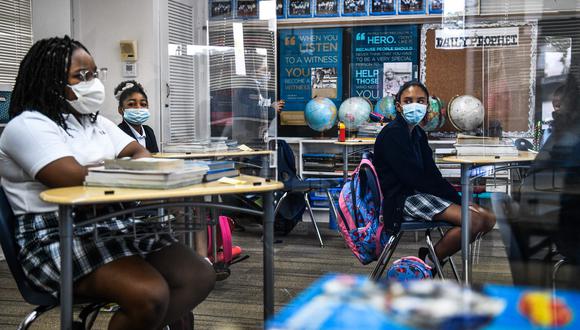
[[360, 216], [409, 269]]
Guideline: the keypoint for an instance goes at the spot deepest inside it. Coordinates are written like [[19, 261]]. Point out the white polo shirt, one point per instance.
[[31, 141], [140, 138]]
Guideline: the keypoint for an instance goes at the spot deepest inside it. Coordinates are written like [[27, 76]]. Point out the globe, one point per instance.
[[466, 112], [320, 114], [354, 112], [435, 117], [386, 107]]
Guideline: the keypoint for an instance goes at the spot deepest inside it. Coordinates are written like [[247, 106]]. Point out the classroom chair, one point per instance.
[[530, 243], [413, 226], [44, 301], [293, 183]]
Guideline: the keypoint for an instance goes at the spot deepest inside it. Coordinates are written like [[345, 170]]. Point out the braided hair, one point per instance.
[[42, 78], [126, 89]]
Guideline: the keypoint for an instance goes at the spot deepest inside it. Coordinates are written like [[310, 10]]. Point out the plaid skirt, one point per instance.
[[37, 236], [423, 207]]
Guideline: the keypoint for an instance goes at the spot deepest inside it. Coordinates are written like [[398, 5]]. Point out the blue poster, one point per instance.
[[383, 59], [310, 66]]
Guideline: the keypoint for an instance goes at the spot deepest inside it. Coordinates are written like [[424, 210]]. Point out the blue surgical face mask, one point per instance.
[[136, 116], [414, 113]]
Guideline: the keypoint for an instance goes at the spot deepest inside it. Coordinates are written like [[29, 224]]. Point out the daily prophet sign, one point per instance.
[[383, 59], [477, 38], [310, 66]]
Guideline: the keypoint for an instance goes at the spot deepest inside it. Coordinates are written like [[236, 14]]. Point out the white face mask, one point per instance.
[[90, 96]]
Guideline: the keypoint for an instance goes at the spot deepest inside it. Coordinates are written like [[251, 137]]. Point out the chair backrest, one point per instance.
[[10, 249]]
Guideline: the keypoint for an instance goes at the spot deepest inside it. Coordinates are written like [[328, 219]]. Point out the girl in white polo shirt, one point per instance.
[[54, 135]]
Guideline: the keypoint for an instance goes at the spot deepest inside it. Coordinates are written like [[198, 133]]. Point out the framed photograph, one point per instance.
[[395, 75], [383, 7], [325, 8], [354, 7], [281, 8], [299, 8], [411, 7], [247, 8], [324, 82], [220, 9], [435, 7]]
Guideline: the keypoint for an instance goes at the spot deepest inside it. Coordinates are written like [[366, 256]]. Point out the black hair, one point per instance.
[[122, 91], [568, 117], [42, 78], [559, 91], [409, 84]]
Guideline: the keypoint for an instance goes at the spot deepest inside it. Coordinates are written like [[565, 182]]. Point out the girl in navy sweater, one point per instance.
[[412, 185]]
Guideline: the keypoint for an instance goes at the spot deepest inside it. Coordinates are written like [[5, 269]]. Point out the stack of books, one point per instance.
[[319, 162], [217, 169], [145, 173], [370, 130], [214, 144], [468, 145]]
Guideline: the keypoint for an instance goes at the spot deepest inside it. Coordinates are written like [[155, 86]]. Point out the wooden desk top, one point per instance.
[[81, 195], [524, 156], [357, 142], [235, 153]]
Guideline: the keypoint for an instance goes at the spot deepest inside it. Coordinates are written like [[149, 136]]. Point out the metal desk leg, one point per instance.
[[215, 221], [188, 219], [465, 223], [66, 268], [345, 163], [268, 218], [265, 170]]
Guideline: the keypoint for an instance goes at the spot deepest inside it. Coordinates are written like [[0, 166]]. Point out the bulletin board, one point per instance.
[[502, 75]]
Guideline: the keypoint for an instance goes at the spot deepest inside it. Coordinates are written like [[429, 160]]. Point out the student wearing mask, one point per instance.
[[412, 185], [134, 108], [54, 135]]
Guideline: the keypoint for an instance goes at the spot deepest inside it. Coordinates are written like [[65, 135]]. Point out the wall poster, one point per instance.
[[310, 66], [382, 7], [220, 9], [411, 7], [247, 8], [325, 8], [383, 59], [299, 8], [354, 7]]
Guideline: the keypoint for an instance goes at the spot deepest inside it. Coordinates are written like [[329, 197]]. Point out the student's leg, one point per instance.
[[138, 288], [189, 276], [482, 221]]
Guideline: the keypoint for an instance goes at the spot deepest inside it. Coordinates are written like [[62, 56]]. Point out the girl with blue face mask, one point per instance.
[[134, 107], [412, 185]]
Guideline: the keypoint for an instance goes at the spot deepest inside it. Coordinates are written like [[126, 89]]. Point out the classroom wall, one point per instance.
[[51, 18], [100, 25]]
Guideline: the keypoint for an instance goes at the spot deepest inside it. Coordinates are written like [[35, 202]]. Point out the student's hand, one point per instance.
[[279, 105]]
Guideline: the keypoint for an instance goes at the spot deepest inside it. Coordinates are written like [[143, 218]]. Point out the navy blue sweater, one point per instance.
[[405, 165]]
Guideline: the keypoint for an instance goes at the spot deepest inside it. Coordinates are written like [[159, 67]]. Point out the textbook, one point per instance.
[[148, 179], [473, 139], [213, 164], [143, 164], [486, 150], [218, 174]]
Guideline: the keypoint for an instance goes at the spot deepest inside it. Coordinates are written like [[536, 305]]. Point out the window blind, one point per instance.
[[183, 71], [15, 37]]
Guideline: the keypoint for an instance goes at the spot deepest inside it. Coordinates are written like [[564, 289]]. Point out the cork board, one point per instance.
[[503, 78]]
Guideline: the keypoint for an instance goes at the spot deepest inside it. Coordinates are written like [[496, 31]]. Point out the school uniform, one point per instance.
[[412, 185], [147, 139], [31, 141]]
